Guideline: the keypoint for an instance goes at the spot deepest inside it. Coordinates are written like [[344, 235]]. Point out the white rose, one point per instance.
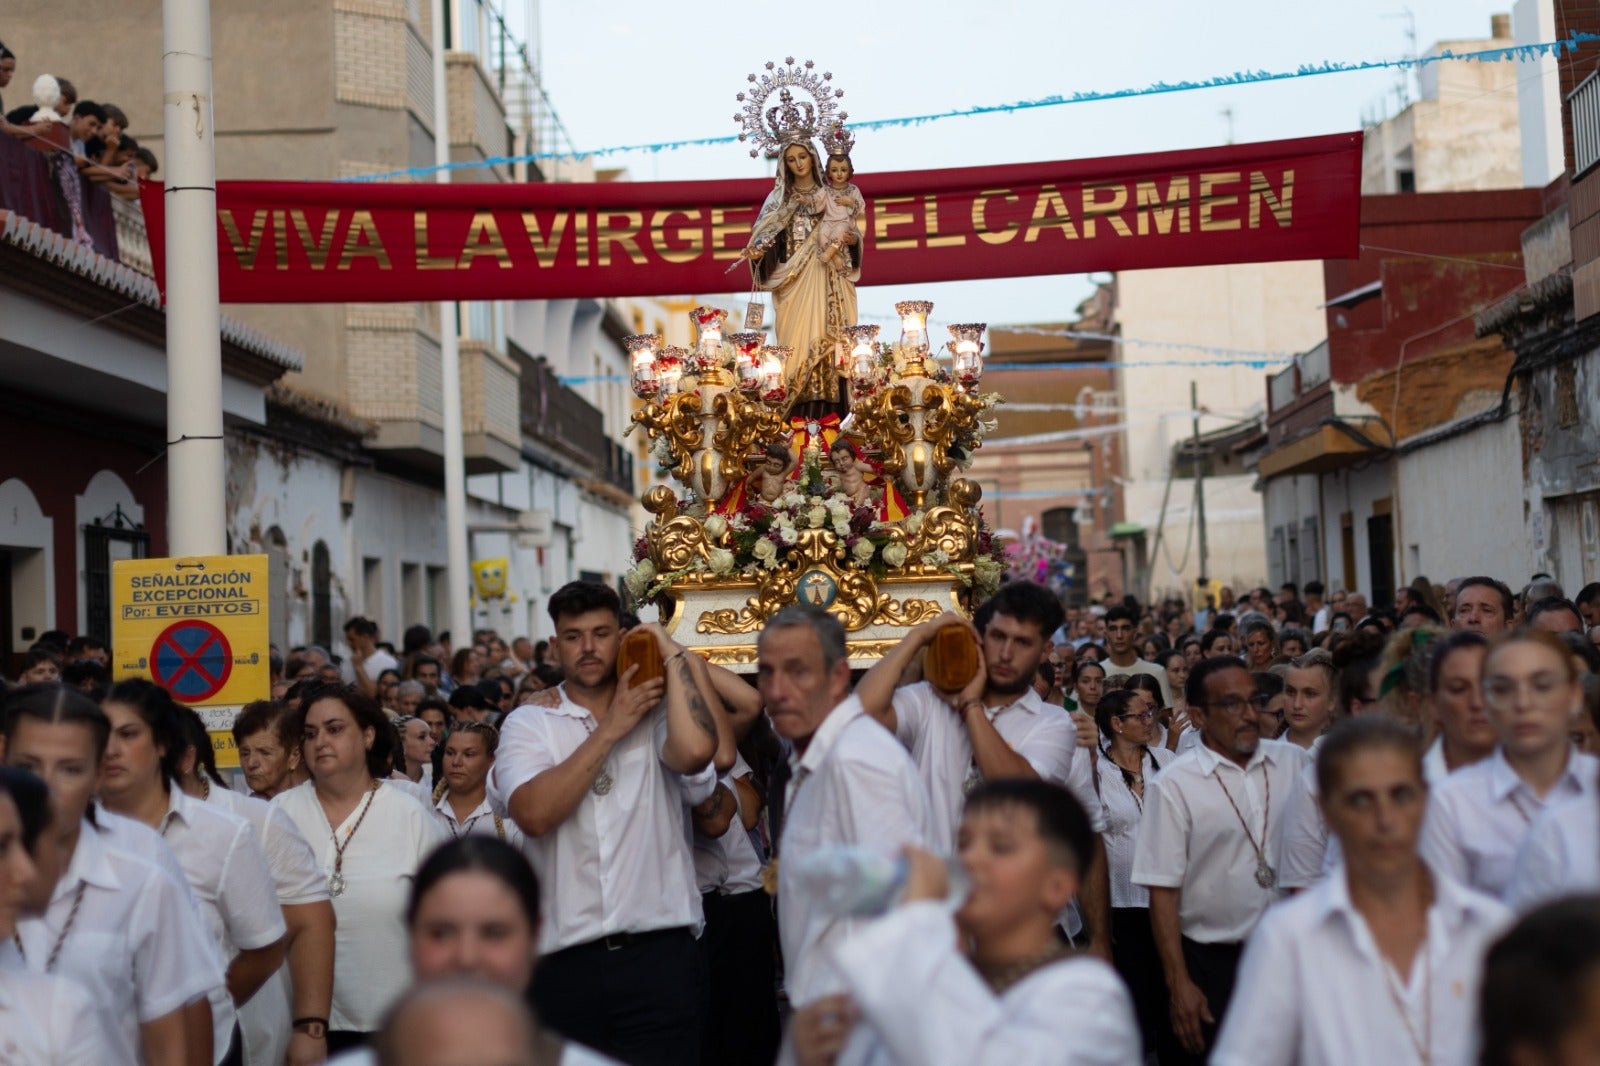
[[765, 551], [863, 551], [838, 511], [913, 523], [716, 526], [817, 517], [638, 579], [721, 560], [841, 528], [894, 555], [816, 501], [788, 535]]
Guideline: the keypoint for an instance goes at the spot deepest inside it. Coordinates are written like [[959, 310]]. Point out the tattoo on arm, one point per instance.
[[699, 710]]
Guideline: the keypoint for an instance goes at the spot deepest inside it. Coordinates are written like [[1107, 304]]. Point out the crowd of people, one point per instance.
[[1287, 829], [99, 148]]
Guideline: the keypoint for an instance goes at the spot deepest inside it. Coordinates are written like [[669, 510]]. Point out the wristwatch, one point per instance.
[[315, 1028]]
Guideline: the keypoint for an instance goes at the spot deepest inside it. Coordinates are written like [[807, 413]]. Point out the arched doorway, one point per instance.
[[27, 571]]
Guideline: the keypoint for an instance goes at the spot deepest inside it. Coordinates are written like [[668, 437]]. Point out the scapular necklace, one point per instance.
[[61, 937], [336, 882]]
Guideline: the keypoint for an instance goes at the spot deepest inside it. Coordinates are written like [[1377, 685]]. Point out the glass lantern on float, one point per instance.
[[914, 336], [670, 367], [861, 361], [747, 359], [966, 353], [773, 357], [642, 357], [708, 345]]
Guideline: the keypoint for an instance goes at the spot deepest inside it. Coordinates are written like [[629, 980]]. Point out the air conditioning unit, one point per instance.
[[534, 528]]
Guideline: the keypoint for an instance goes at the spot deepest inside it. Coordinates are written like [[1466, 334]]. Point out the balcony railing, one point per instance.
[[558, 417], [31, 185]]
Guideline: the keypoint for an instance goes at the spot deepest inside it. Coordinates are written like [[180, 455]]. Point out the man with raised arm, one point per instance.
[[594, 772]]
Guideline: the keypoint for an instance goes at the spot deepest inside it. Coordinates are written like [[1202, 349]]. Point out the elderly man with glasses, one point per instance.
[[1208, 850]]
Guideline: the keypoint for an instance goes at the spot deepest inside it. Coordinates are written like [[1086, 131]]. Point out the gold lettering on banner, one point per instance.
[[545, 250], [883, 218], [425, 259], [580, 235], [1280, 204], [1149, 206], [280, 238], [980, 221], [316, 251], [678, 251], [484, 226], [930, 219], [1095, 208], [1211, 199], [722, 229], [363, 239], [626, 235], [1050, 212], [243, 250]]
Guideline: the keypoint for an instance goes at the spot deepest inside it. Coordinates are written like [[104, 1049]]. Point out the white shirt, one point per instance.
[[297, 879], [1140, 666], [728, 864], [137, 947], [925, 1005], [1314, 990], [49, 1021], [1122, 810], [1190, 837], [1560, 857], [1434, 768], [621, 861], [223, 861], [1309, 853], [484, 821], [371, 963], [1479, 816], [939, 743], [855, 785], [373, 666]]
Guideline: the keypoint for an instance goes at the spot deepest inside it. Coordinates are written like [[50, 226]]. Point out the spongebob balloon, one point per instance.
[[489, 578]]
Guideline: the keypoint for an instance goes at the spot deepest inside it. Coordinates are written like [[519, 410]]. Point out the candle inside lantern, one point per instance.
[[747, 359], [708, 349], [669, 368], [966, 348], [772, 359], [914, 324], [642, 355]]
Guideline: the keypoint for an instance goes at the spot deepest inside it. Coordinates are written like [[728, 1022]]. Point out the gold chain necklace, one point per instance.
[[1002, 977]]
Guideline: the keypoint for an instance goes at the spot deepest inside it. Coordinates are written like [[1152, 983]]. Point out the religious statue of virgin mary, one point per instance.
[[805, 248]]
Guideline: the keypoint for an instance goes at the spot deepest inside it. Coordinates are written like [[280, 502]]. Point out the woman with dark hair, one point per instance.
[[300, 990], [465, 667], [369, 837], [1380, 962], [47, 1020], [1455, 696], [474, 911], [220, 853], [1481, 814], [1128, 760], [110, 920], [1088, 681]]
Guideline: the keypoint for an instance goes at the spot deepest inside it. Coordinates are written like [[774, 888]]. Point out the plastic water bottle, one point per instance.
[[856, 881]]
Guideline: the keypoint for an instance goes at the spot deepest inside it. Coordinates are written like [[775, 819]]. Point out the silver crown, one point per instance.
[[789, 121], [837, 141]]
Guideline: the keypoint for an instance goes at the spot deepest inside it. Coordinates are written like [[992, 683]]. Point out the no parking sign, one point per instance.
[[197, 627]]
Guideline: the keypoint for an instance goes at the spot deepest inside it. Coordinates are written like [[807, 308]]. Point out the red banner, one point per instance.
[[310, 242]]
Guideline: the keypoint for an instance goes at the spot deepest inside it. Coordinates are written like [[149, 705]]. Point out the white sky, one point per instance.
[[638, 71]]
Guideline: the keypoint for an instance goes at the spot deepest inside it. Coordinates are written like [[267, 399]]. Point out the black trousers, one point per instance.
[[1212, 967], [1133, 952], [742, 1015], [639, 998]]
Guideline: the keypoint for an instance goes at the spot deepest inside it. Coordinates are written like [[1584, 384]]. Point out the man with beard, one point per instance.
[[595, 772], [997, 728], [1208, 850]]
